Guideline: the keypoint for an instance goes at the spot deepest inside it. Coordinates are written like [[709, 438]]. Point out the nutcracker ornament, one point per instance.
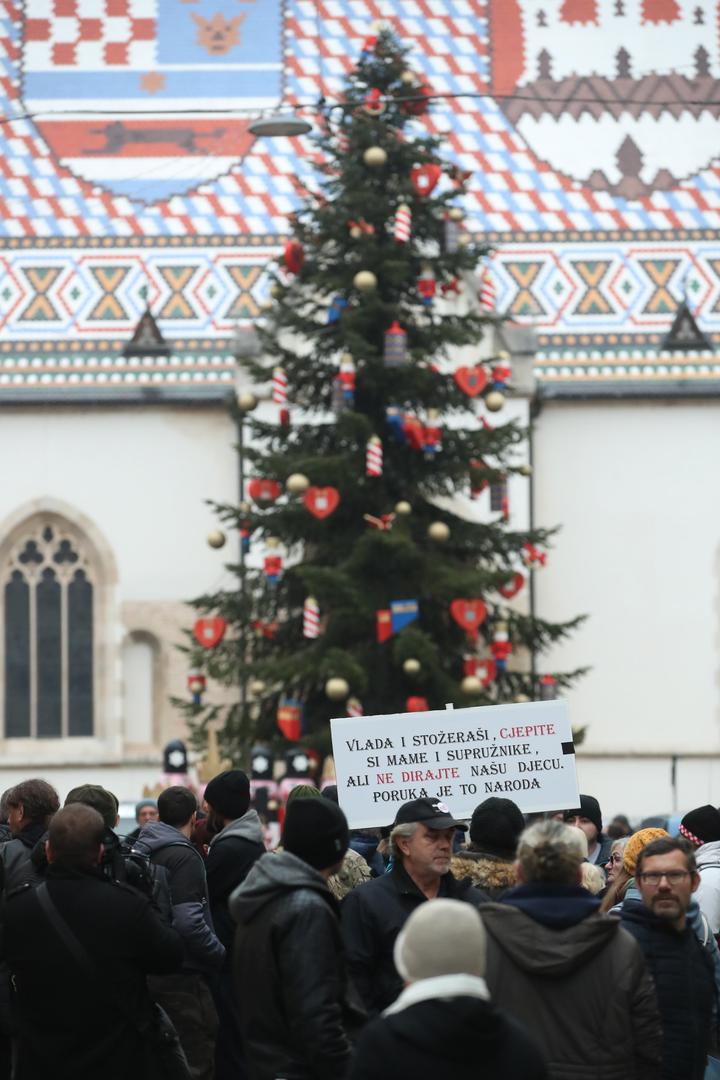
[[427, 285], [432, 435], [272, 563], [501, 372], [501, 645], [346, 377], [196, 683]]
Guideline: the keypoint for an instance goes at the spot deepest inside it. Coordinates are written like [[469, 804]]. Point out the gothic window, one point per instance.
[[47, 606]]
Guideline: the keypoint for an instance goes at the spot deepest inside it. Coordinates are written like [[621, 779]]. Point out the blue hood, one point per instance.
[[555, 906]]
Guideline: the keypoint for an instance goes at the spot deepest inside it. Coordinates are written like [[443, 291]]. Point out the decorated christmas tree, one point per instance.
[[383, 572]]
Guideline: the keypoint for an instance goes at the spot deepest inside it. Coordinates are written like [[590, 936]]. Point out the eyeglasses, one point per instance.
[[673, 877]]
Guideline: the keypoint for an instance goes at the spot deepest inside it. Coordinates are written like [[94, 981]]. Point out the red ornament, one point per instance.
[[289, 720], [501, 646], [294, 256], [427, 287], [481, 667], [384, 628], [272, 567], [321, 501], [512, 587], [384, 523], [264, 491], [421, 104], [267, 630], [470, 614], [533, 557], [471, 380], [373, 103], [478, 482], [209, 632], [414, 432], [424, 178], [417, 704]]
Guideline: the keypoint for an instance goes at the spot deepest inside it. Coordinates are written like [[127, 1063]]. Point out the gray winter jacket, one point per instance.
[[191, 916]]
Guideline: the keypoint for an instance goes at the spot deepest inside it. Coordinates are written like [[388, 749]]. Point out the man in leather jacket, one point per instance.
[[289, 964]]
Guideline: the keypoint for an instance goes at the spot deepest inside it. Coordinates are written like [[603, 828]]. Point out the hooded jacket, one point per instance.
[[491, 875], [191, 917], [707, 858], [290, 972], [439, 1027], [232, 852], [576, 980], [685, 983]]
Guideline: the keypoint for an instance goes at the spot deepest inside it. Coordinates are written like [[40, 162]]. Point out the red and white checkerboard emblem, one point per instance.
[[146, 97]]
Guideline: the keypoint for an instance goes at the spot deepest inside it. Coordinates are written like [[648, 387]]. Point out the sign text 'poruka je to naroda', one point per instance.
[[522, 752]]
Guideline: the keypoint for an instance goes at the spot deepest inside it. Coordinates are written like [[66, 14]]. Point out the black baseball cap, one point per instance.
[[431, 812]]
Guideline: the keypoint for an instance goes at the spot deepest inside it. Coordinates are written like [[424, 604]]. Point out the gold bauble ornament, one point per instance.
[[246, 401], [365, 281], [296, 483], [456, 213], [407, 77], [337, 689], [216, 538], [471, 685], [520, 699], [494, 400], [375, 157], [256, 687], [355, 232], [403, 508], [439, 531], [525, 470], [275, 291], [411, 666]]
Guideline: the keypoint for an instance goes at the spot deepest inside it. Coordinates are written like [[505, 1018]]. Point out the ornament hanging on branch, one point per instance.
[[424, 178], [417, 102], [321, 501], [289, 718], [297, 484], [337, 689], [451, 234], [273, 568], [451, 286], [501, 372], [427, 285], [244, 533], [501, 645], [494, 400], [216, 538], [413, 431], [196, 684], [294, 256], [471, 380], [374, 457], [512, 587], [209, 632], [478, 480], [264, 492], [486, 291], [279, 395], [395, 346], [481, 667], [439, 532], [346, 375], [375, 157], [403, 224], [469, 614], [432, 435], [360, 228], [417, 704], [337, 306], [533, 557], [499, 497], [265, 628], [548, 688], [365, 281], [311, 618], [384, 523], [353, 707], [373, 103]]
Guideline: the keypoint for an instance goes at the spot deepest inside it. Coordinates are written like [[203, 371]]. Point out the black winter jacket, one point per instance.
[[576, 980], [232, 853], [16, 863], [169, 848], [290, 973], [459, 1039], [685, 985], [372, 917], [72, 1028]]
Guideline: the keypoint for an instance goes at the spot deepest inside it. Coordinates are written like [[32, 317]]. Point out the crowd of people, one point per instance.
[[503, 948]]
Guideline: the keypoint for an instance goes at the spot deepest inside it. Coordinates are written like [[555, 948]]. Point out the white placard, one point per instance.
[[522, 752]]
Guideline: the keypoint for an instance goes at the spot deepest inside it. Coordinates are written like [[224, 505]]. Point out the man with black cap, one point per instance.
[[588, 817], [701, 828], [489, 858], [421, 846], [236, 845], [288, 951]]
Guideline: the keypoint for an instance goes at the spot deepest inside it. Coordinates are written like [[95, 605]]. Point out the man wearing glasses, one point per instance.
[[666, 877]]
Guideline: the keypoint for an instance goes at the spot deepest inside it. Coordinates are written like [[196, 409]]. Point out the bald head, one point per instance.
[[75, 837]]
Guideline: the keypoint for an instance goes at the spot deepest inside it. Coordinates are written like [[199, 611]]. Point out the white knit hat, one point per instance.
[[441, 937]]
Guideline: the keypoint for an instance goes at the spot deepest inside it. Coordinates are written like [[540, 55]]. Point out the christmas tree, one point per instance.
[[383, 587]]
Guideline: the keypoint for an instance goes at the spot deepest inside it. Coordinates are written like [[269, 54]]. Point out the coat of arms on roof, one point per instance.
[[685, 335], [150, 99], [573, 77], [147, 340]]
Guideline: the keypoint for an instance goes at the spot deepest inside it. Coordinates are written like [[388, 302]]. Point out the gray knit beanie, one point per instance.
[[441, 937]]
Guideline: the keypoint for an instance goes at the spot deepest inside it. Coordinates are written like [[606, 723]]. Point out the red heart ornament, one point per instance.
[[471, 380], [321, 501], [264, 491], [512, 588], [483, 668], [424, 178], [209, 632], [417, 704], [294, 256], [470, 614]]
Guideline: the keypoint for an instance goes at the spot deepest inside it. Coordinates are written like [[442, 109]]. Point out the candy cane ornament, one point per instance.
[[279, 395], [374, 457], [311, 618], [403, 224]]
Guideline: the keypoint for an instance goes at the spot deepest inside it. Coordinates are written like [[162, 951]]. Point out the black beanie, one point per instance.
[[316, 831], [590, 808], [228, 794], [495, 827], [702, 824]]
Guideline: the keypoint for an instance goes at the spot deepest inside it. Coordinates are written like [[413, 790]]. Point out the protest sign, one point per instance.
[[522, 752]]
